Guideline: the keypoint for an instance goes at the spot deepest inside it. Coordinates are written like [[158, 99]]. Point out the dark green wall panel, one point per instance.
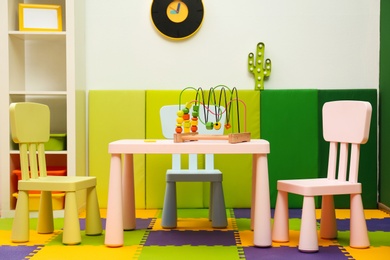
[[289, 122], [384, 108]]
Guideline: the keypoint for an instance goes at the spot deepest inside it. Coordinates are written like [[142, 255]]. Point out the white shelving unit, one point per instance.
[[44, 67]]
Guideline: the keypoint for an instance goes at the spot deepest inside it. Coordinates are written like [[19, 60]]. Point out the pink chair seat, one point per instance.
[[318, 187]]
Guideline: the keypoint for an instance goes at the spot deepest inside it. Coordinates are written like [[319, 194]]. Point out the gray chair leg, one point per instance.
[[169, 214], [219, 219]]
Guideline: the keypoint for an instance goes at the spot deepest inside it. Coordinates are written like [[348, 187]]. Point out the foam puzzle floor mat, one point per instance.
[[194, 238]]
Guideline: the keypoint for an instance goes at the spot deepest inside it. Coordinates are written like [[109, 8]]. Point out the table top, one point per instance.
[[164, 146]]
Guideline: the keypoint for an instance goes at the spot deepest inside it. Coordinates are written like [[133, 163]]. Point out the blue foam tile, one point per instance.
[[189, 237], [292, 253]]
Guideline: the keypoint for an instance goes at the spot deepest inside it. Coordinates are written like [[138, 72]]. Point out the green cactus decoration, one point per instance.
[[258, 68]]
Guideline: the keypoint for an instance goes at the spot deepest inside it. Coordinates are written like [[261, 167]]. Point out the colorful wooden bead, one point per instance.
[[217, 126], [194, 122], [179, 130], [227, 126], [180, 113], [196, 108], [209, 125], [179, 120], [195, 113], [186, 110], [194, 128], [188, 105], [186, 116]]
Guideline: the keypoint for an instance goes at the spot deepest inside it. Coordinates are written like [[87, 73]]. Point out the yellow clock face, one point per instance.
[[177, 19], [177, 11]]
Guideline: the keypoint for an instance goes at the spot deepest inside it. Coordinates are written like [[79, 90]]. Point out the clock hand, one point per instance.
[[173, 11], [178, 8]]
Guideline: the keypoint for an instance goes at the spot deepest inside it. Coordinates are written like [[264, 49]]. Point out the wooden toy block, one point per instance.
[[231, 138]]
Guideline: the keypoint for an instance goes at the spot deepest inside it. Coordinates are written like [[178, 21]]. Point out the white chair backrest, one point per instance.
[[168, 115], [345, 123]]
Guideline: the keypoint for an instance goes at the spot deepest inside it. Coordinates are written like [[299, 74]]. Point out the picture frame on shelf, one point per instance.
[[37, 17]]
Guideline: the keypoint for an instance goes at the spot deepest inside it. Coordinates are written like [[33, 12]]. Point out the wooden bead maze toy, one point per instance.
[[187, 124]]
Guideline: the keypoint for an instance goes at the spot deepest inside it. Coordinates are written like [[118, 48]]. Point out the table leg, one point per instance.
[[253, 200], [128, 193], [114, 220], [262, 208]]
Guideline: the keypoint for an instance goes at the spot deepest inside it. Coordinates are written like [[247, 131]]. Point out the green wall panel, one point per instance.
[[114, 115], [368, 172], [289, 122], [384, 105]]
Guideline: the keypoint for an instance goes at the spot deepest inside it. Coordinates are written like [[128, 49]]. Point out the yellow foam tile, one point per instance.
[[346, 213], [246, 238], [35, 238], [375, 213], [139, 213], [377, 253], [147, 213], [85, 252], [193, 224]]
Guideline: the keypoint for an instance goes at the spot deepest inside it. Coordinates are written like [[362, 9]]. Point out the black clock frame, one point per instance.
[[177, 30]]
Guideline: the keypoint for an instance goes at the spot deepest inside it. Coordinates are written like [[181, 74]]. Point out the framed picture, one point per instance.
[[33, 17]]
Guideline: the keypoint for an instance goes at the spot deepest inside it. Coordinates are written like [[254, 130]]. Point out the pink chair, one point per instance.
[[345, 124]]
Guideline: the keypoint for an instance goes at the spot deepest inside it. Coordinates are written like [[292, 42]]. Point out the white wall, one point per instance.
[[322, 44]]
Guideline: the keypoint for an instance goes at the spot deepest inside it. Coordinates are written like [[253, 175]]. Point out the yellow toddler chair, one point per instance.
[[30, 128]]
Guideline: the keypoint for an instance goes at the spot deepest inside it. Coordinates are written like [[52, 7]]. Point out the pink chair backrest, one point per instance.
[[344, 123]]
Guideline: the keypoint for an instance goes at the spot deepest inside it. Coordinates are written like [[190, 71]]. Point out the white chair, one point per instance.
[[345, 124], [217, 211]]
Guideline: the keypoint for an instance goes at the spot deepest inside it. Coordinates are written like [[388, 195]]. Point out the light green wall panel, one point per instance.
[[114, 115]]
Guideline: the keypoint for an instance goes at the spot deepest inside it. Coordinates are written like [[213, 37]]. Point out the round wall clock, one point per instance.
[[177, 19]]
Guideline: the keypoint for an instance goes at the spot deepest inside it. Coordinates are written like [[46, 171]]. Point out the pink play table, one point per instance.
[[121, 202]]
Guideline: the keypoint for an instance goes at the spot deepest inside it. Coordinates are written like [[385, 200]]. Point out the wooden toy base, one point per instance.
[[231, 138]]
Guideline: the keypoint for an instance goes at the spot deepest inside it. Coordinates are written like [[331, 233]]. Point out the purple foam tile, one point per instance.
[[372, 224], [376, 224], [246, 213], [292, 253], [188, 237], [242, 213], [17, 252]]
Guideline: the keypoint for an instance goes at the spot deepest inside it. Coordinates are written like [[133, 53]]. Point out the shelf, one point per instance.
[[46, 152], [39, 93], [38, 35], [46, 67]]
